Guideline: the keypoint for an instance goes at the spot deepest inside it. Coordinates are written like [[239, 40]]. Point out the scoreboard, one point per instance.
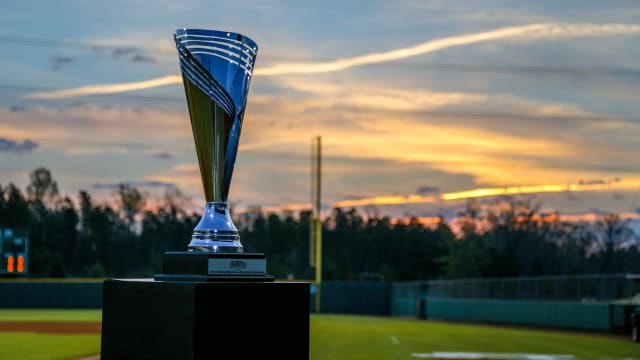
[[14, 252]]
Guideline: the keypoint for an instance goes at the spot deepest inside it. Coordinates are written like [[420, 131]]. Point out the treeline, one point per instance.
[[85, 238]]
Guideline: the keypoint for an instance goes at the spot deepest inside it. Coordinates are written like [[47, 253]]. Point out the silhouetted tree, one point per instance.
[[14, 209], [42, 187], [612, 235], [131, 202]]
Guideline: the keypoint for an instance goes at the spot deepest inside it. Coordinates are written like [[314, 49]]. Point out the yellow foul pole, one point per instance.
[[315, 257]]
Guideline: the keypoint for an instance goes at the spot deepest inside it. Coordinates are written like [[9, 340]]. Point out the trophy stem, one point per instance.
[[216, 232]]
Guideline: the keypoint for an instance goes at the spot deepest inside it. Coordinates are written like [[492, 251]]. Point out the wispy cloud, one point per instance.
[[133, 53], [588, 186], [135, 184], [533, 32], [17, 108], [186, 175], [427, 189], [106, 89], [162, 155], [8, 145], [86, 150], [58, 62], [528, 32], [142, 58], [118, 52], [387, 200], [375, 96], [85, 129]]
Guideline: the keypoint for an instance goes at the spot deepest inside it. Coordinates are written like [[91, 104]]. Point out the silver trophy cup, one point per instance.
[[216, 72]]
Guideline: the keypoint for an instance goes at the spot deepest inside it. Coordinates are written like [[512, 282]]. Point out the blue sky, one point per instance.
[[549, 96]]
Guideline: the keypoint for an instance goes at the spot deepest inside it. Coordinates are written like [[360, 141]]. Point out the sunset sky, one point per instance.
[[420, 104]]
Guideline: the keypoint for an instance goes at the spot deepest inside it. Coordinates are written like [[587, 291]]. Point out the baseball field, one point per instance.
[[75, 334]]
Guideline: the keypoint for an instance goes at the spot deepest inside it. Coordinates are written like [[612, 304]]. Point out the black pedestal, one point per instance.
[[145, 319]]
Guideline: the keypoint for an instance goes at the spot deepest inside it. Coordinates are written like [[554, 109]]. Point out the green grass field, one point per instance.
[[32, 346], [347, 337], [50, 315], [355, 337]]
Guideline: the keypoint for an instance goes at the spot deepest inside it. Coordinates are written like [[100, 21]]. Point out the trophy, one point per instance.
[[213, 301], [216, 71]]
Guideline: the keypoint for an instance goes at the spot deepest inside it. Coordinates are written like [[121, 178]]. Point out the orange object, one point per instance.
[[10, 264], [20, 266]]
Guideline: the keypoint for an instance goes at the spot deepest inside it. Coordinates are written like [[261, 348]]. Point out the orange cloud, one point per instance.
[[386, 200], [615, 184], [90, 129], [517, 190]]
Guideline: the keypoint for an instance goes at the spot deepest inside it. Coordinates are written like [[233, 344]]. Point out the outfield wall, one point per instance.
[[63, 295], [340, 297], [353, 297], [575, 315], [407, 299], [370, 298], [600, 316]]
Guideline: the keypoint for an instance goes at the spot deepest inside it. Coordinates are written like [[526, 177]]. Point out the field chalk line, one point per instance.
[[394, 340], [479, 355]]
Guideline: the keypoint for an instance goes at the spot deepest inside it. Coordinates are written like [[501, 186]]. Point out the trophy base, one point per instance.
[[194, 266], [215, 232]]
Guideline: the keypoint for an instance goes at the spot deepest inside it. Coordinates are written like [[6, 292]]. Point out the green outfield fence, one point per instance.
[[588, 316], [51, 294], [354, 297], [601, 287], [407, 296], [592, 302], [371, 298]]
